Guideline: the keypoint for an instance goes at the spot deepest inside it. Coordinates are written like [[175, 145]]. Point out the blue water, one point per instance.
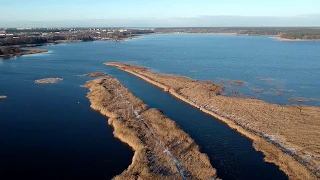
[[50, 132]]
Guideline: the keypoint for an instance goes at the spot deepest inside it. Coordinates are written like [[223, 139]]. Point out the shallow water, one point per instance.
[[49, 131]]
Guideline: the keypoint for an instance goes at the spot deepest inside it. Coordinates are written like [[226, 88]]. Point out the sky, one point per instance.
[[147, 12]]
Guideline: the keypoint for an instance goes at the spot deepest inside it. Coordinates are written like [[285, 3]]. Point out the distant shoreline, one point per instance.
[[293, 40]]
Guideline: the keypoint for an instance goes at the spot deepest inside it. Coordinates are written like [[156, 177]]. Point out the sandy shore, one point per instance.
[[287, 135], [161, 149]]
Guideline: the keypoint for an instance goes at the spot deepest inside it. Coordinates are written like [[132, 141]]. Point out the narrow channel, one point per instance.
[[230, 153]]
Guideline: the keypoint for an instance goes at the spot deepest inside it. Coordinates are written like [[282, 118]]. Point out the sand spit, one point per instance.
[[287, 135], [48, 80], [162, 149], [95, 74], [3, 97]]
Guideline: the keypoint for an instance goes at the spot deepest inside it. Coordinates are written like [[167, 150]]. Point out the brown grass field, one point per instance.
[[162, 149], [289, 136]]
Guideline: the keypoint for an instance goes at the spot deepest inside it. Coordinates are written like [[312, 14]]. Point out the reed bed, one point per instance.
[[162, 149], [289, 136]]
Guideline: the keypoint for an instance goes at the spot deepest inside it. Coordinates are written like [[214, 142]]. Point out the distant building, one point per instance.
[[123, 30]]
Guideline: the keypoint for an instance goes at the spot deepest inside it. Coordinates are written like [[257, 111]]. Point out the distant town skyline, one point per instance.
[[164, 13]]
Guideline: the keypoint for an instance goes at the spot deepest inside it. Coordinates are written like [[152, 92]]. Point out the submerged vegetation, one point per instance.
[[287, 135], [162, 149], [95, 74]]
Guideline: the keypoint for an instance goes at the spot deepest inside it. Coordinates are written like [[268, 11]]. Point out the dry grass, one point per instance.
[[149, 133], [48, 80], [287, 135]]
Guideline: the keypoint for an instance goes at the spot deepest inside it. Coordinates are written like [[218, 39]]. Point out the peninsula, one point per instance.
[[161, 149], [7, 52], [287, 135]]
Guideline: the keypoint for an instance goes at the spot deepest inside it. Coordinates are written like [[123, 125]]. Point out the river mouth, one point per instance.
[[230, 153]]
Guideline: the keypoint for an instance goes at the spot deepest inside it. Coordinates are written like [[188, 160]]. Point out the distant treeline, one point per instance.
[[311, 34], [35, 30], [39, 40], [283, 32]]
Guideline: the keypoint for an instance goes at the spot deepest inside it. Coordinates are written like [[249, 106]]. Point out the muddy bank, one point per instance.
[[162, 149], [287, 135], [48, 80]]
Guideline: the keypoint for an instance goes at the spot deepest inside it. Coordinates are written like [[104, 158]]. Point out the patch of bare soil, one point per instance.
[[287, 135], [162, 149], [48, 80]]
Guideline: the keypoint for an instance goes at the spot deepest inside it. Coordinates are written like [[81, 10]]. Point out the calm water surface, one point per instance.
[[49, 131]]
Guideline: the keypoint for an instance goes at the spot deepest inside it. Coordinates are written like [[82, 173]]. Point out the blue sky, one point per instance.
[[63, 10]]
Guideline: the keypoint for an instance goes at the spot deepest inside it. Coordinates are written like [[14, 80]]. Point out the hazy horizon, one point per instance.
[[201, 21], [164, 13]]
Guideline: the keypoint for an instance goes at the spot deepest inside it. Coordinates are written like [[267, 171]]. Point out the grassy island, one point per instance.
[[48, 80], [3, 97], [287, 135], [161, 149]]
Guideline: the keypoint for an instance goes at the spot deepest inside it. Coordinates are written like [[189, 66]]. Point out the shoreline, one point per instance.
[[23, 52], [274, 151], [294, 40], [161, 148]]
